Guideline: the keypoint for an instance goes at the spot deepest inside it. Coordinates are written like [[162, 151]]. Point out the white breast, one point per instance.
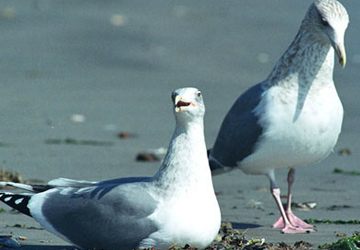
[[294, 137]]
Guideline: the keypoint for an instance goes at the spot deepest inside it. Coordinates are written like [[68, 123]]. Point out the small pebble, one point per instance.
[[344, 152], [256, 204], [22, 238], [304, 205], [340, 235], [147, 157], [124, 135]]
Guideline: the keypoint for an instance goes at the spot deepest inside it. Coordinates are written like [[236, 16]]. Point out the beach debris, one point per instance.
[[175, 247], [124, 135], [283, 246], [256, 204], [338, 207], [13, 176], [77, 118], [302, 245], [340, 235], [21, 238], [72, 141], [344, 151], [345, 172], [44, 241], [326, 221], [304, 205], [147, 157], [159, 151], [25, 227], [151, 155], [6, 240], [230, 238], [350, 243]]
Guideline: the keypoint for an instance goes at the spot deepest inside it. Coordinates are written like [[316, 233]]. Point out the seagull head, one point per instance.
[[188, 103], [329, 20]]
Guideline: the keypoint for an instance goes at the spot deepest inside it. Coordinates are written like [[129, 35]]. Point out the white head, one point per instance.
[[327, 20], [188, 104]]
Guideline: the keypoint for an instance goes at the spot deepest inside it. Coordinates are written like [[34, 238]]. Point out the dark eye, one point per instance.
[[324, 22], [199, 94]]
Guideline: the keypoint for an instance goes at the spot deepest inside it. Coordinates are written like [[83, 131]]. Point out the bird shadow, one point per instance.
[[243, 226]]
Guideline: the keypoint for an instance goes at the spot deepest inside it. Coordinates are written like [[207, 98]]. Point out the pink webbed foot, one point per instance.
[[296, 225], [279, 223], [295, 221], [289, 229]]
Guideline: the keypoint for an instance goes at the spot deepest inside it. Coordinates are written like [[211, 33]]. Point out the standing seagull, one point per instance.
[[294, 117], [176, 206]]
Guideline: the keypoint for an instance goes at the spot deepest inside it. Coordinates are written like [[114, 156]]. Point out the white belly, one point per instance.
[[291, 140], [188, 217]]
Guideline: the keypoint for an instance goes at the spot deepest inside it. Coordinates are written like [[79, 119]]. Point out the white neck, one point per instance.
[[306, 67], [186, 161], [305, 59]]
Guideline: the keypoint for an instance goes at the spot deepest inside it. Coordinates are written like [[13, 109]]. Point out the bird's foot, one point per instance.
[[289, 229], [296, 225], [297, 222], [279, 223]]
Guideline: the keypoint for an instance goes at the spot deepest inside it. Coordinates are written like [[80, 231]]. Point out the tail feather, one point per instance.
[[32, 188], [17, 201], [215, 166]]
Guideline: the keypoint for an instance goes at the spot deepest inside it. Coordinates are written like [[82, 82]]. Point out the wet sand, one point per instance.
[[86, 70]]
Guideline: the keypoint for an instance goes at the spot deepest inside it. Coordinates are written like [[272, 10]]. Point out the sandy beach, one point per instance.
[[76, 73]]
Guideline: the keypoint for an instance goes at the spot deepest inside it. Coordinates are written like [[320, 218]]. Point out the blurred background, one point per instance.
[[74, 74], [87, 70]]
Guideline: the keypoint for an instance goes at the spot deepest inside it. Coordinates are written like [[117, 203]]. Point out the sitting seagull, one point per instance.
[[294, 117], [177, 206]]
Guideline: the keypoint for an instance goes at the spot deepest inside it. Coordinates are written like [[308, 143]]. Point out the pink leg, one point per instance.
[[283, 222], [294, 220]]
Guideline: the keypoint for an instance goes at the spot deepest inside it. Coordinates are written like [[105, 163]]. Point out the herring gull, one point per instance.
[[294, 117], [176, 206]]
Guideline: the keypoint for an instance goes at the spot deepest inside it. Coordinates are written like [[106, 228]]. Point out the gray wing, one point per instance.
[[239, 132], [112, 216]]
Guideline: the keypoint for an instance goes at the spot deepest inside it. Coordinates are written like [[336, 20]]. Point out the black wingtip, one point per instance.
[[17, 201]]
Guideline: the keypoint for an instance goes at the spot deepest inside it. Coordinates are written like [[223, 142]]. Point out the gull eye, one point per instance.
[[324, 22], [199, 94]]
